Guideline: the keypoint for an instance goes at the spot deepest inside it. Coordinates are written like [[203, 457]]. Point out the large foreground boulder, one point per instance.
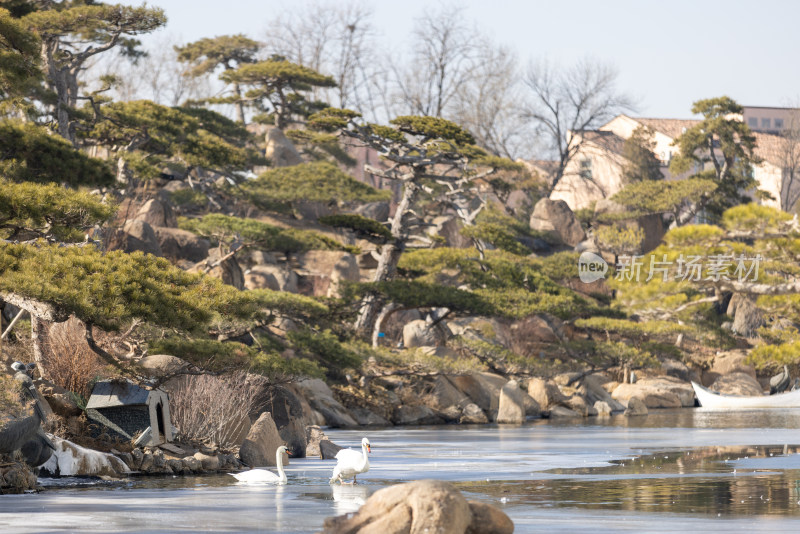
[[424, 506], [258, 449]]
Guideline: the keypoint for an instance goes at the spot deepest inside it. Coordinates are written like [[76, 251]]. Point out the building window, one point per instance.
[[586, 169], [766, 123], [778, 124], [752, 122]]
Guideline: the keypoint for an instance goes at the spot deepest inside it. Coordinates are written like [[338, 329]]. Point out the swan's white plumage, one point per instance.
[[262, 476], [350, 463]]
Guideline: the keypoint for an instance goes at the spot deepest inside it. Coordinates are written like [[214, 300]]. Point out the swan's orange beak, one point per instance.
[[288, 453], [369, 449]]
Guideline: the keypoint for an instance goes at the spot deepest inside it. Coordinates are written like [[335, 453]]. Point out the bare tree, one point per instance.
[[789, 154], [487, 103], [335, 39], [442, 63], [569, 100], [156, 76]]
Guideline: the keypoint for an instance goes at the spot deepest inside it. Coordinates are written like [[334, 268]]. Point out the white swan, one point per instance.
[[350, 463], [262, 476]]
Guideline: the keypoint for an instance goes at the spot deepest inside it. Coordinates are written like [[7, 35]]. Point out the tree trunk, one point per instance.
[[387, 263], [39, 334], [239, 106], [65, 84]]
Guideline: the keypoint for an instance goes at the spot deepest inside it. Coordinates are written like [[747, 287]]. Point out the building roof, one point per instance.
[[107, 394], [669, 127]]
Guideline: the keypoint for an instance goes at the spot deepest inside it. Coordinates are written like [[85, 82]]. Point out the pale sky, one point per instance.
[[668, 53]]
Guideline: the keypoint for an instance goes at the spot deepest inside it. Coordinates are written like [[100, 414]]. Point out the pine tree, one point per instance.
[[275, 88], [74, 31], [227, 51], [720, 148]]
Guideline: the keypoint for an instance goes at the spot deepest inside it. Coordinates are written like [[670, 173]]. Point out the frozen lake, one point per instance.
[[672, 471]]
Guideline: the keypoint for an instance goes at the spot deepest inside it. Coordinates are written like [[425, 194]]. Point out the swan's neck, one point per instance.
[[365, 456], [279, 462]]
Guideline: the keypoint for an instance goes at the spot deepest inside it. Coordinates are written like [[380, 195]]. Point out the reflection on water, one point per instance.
[[674, 470], [348, 497], [722, 481]]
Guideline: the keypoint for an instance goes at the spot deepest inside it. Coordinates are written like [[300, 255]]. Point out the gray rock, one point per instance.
[[177, 244], [160, 365], [271, 277], [192, 464], [320, 396], [602, 408], [366, 417], [207, 462], [636, 406], [563, 411], [555, 218], [545, 392], [579, 405], [135, 236], [483, 389], [748, 318], [157, 213], [511, 404], [258, 449], [280, 150], [472, 414], [593, 391], [415, 415], [737, 384], [423, 506], [287, 412], [419, 334], [374, 210]]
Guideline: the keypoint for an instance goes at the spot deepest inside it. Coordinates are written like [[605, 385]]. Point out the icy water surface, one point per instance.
[[672, 471]]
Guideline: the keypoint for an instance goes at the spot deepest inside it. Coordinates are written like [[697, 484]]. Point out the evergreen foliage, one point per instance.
[[726, 145], [149, 136], [108, 290], [500, 230], [641, 163], [513, 286], [31, 154], [277, 189], [650, 197], [249, 232], [49, 211], [19, 57], [276, 86], [362, 226]]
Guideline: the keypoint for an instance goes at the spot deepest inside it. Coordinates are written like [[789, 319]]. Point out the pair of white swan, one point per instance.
[[349, 464]]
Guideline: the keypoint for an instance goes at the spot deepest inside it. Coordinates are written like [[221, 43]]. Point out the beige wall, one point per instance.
[[579, 192], [758, 114], [624, 126]]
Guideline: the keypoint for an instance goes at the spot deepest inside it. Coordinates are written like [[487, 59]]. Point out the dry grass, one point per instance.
[[69, 362], [10, 398], [210, 409]]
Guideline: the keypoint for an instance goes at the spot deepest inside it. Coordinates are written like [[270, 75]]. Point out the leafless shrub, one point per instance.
[[69, 362], [213, 409]]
